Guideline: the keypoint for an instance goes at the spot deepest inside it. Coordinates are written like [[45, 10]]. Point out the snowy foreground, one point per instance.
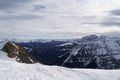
[[11, 70]]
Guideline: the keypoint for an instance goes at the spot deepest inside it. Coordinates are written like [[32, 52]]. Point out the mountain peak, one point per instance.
[[89, 38], [18, 53]]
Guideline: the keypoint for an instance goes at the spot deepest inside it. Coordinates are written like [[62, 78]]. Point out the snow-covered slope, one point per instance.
[[3, 56], [2, 43], [11, 70], [100, 44], [102, 52]]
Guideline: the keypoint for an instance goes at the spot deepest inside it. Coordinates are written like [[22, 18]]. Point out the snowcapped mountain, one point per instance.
[[93, 51], [101, 52], [12, 70]]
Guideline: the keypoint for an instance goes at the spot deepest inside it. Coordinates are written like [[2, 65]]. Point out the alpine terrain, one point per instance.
[[98, 52], [10, 69]]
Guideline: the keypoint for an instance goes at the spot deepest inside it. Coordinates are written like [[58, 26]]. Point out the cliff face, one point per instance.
[[18, 53]]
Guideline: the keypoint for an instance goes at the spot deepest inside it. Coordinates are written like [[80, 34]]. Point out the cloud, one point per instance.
[[112, 23], [110, 20], [115, 12], [58, 18], [111, 34], [12, 4], [39, 8], [20, 17], [107, 22]]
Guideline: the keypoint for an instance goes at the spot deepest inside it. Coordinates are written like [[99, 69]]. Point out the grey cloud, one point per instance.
[[10, 10], [106, 23], [20, 17], [112, 19], [112, 34], [110, 24], [12, 4], [39, 7], [115, 12], [79, 17]]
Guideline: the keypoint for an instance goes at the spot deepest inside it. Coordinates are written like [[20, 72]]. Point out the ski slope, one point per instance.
[[11, 70]]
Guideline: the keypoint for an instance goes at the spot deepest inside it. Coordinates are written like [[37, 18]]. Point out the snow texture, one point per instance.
[[11, 70], [66, 44], [2, 43]]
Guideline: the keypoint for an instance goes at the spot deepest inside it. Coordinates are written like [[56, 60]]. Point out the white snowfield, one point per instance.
[[11, 70]]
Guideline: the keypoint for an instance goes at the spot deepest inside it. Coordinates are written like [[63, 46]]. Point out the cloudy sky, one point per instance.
[[33, 19]]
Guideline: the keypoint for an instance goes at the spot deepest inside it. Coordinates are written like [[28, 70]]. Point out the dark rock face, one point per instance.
[[88, 52], [47, 53], [18, 53]]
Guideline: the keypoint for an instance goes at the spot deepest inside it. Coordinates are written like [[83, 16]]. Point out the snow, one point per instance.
[[65, 44], [29, 49], [11, 70], [2, 43], [103, 44], [112, 43], [32, 40], [3, 56]]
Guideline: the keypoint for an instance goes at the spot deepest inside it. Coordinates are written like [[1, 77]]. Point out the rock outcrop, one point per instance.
[[18, 53]]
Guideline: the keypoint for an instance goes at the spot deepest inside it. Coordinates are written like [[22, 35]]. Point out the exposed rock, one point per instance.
[[18, 53]]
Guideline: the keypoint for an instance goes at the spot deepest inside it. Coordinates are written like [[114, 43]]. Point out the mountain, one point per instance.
[[19, 54], [103, 51], [92, 51], [13, 70]]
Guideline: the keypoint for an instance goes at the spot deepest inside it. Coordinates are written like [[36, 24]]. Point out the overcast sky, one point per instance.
[[33, 19]]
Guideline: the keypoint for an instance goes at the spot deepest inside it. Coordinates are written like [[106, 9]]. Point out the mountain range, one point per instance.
[[97, 52], [18, 64]]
